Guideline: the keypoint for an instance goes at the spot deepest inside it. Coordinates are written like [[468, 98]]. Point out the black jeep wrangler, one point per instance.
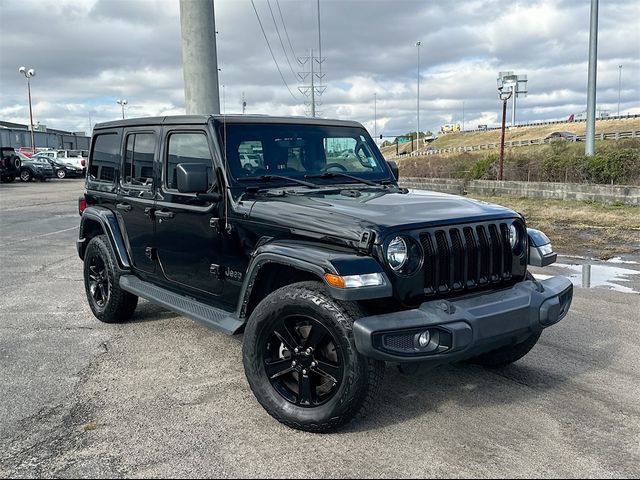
[[9, 164], [296, 232]]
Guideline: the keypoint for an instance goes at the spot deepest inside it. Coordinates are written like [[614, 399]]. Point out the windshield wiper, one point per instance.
[[341, 174], [268, 178]]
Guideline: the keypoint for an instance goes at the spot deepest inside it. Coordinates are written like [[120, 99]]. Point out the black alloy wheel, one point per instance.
[[303, 361], [99, 285], [108, 302]]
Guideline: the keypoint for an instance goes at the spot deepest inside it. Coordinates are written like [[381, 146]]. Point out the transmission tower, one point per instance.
[[312, 79]]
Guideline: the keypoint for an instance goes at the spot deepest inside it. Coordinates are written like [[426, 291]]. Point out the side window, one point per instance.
[[138, 159], [187, 148], [105, 158]]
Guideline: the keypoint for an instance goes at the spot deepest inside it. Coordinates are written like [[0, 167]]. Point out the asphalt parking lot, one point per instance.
[[162, 396]]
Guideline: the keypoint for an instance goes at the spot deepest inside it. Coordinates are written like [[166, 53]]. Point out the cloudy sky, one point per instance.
[[89, 53]]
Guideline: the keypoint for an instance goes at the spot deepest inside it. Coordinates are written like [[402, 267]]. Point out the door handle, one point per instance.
[[124, 206], [164, 215]]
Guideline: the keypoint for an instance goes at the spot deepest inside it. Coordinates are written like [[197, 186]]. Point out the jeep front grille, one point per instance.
[[465, 258]]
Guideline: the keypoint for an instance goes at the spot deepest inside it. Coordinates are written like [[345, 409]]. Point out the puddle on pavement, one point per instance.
[[607, 276]]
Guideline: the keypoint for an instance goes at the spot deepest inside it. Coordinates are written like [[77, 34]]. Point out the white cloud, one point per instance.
[[89, 53]]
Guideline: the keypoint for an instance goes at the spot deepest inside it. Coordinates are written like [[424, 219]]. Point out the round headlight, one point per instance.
[[513, 236], [397, 253]]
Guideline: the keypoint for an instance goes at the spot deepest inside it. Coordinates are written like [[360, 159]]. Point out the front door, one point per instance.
[[135, 201], [187, 234]]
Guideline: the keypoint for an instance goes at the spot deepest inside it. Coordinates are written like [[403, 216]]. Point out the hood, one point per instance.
[[350, 212]]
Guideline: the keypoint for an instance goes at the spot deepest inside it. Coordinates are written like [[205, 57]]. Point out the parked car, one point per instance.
[[327, 265], [36, 168], [570, 136], [27, 151], [10, 163], [62, 168], [71, 157]]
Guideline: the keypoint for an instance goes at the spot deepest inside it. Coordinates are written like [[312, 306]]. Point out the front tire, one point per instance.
[[301, 363], [108, 302], [25, 175], [61, 173]]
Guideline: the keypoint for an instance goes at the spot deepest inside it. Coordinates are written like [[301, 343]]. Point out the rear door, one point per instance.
[[187, 233], [135, 202]]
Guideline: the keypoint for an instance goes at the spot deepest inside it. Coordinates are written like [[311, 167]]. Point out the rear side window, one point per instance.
[[138, 160], [187, 148], [105, 158]]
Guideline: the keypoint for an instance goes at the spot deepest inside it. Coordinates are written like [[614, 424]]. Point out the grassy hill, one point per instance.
[[532, 132]]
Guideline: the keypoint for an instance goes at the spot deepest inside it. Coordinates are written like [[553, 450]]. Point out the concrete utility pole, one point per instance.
[[591, 88], [375, 116], [199, 57]]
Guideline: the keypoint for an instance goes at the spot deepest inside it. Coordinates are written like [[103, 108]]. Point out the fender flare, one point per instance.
[[316, 259], [109, 223]]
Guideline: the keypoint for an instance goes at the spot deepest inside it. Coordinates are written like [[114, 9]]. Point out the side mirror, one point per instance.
[[394, 169], [192, 178]]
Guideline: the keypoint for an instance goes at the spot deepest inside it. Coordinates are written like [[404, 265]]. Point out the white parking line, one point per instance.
[[39, 236]]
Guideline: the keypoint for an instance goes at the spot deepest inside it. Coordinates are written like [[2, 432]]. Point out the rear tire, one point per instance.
[[108, 302], [318, 391], [7, 178]]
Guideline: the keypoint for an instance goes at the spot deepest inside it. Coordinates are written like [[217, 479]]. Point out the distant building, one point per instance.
[[18, 135]]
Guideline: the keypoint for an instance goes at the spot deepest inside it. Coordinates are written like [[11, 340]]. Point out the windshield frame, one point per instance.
[[383, 175]]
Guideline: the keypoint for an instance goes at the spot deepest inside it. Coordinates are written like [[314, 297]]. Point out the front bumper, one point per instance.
[[465, 327]]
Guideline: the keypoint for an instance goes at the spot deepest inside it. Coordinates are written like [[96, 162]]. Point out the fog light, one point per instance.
[[424, 339]]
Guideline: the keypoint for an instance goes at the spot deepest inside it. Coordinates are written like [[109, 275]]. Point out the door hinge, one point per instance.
[[150, 252]]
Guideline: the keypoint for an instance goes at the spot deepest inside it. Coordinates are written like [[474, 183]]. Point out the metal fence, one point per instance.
[[517, 143]]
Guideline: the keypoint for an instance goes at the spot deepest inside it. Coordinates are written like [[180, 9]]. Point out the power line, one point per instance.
[[271, 51], [280, 37], [293, 53]]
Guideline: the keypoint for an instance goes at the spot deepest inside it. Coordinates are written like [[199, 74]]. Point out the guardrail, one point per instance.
[[556, 122], [517, 143]]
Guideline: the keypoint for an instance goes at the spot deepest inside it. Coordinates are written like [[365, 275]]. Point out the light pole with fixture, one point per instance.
[[122, 104], [375, 115], [418, 45], [619, 85], [28, 74]]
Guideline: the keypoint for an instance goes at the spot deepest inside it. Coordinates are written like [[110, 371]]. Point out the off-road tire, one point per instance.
[[362, 377], [507, 355], [120, 305]]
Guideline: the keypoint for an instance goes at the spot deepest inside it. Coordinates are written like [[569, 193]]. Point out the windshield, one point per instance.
[[296, 151]]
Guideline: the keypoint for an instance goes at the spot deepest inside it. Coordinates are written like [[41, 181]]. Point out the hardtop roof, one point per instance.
[[204, 119]]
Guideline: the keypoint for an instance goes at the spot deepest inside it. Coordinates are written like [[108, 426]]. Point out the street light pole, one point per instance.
[[504, 96], [418, 45], [619, 85], [591, 85], [122, 103], [28, 74], [375, 115]]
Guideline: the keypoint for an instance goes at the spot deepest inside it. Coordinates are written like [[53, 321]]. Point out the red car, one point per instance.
[[27, 151]]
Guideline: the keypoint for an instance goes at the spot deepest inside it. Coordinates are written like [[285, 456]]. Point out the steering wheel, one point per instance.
[[339, 166]]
